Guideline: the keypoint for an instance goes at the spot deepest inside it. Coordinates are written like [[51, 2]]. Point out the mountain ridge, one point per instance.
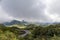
[[15, 22]]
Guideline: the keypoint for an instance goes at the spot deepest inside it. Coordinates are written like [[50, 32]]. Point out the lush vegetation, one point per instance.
[[51, 32]]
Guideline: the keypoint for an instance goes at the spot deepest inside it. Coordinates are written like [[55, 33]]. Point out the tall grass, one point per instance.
[[7, 35]]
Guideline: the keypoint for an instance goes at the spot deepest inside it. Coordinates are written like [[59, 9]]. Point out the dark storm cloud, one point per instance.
[[27, 9]]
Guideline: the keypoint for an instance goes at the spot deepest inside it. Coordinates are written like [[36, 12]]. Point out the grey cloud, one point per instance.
[[3, 16], [27, 9], [55, 7]]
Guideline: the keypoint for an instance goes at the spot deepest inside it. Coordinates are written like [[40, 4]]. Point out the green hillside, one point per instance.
[[51, 32]]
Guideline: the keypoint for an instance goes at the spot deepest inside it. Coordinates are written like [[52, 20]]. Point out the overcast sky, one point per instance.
[[30, 10]]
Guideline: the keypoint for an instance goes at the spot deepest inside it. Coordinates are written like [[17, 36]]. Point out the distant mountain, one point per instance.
[[15, 22], [49, 23], [45, 24], [26, 23]]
